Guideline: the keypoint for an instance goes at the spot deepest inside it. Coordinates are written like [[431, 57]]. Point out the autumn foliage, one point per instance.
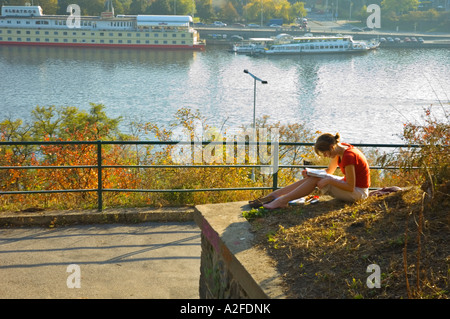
[[150, 176], [125, 186]]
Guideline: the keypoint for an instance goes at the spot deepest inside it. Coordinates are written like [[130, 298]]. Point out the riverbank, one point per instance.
[[324, 250], [222, 36]]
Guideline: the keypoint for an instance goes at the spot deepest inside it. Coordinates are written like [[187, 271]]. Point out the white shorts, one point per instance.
[[357, 194]]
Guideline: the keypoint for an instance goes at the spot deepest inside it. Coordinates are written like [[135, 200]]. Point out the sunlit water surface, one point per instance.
[[367, 98]]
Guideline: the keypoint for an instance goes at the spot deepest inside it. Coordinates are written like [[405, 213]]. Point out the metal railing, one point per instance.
[[100, 167]]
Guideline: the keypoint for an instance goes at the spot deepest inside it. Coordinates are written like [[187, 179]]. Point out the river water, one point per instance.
[[366, 98]]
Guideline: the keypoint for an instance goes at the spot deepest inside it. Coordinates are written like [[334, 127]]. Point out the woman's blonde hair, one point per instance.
[[325, 141]]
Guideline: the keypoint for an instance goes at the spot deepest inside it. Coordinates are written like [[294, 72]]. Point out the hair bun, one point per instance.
[[337, 137]]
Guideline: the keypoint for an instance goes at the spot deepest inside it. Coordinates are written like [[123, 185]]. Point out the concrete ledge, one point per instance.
[[231, 267], [113, 215]]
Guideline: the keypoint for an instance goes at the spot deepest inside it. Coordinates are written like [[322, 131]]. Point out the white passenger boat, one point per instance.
[[284, 44], [252, 46], [320, 44], [28, 25]]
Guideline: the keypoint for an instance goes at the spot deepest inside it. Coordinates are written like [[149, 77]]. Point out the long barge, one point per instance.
[[28, 25]]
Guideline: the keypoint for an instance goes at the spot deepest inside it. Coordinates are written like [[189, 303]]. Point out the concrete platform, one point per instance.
[[145, 260]]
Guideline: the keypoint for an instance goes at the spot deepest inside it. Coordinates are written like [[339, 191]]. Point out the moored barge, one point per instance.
[[28, 25]]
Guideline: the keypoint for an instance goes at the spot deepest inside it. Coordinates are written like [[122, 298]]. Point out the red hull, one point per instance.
[[97, 45]]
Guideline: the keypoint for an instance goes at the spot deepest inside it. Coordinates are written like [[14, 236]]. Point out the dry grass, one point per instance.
[[323, 250]]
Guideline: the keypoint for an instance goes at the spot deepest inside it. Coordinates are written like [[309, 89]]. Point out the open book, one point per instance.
[[316, 172]]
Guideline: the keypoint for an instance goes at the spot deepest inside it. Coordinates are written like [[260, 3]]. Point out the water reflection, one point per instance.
[[104, 56], [365, 97]]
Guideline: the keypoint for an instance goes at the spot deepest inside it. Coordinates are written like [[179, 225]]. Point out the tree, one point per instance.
[[204, 9], [48, 6], [138, 6], [61, 122], [270, 9], [228, 12], [160, 7], [399, 6], [88, 7], [298, 10], [185, 7], [283, 10]]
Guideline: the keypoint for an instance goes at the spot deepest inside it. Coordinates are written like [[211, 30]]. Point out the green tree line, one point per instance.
[[205, 10], [405, 14]]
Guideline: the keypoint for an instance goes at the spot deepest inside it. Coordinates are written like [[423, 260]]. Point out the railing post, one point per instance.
[[100, 181], [275, 165]]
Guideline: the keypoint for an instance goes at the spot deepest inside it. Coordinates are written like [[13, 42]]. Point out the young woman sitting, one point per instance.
[[353, 186]]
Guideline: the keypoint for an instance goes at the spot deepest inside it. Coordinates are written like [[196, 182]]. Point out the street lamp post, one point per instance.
[[255, 78]]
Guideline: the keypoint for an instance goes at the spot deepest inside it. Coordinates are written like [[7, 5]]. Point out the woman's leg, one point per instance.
[[298, 189], [287, 189], [274, 195]]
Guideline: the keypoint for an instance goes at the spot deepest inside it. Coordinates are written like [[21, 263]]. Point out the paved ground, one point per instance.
[[147, 260]]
